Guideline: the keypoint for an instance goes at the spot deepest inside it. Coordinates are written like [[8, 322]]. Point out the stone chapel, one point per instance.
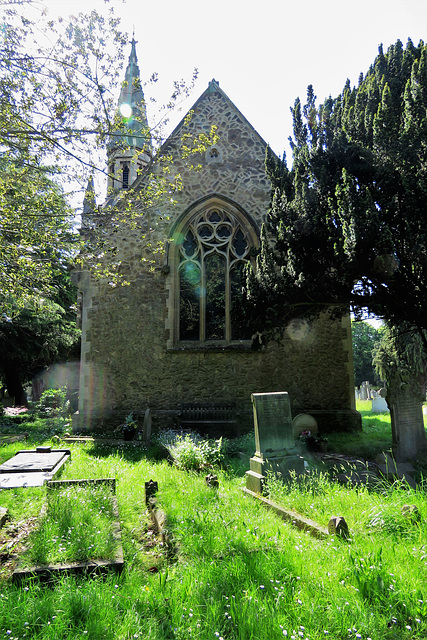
[[174, 334]]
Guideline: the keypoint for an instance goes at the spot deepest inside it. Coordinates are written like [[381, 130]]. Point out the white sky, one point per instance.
[[264, 53]]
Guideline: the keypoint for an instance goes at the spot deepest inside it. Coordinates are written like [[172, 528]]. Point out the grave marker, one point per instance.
[[274, 439], [337, 526], [146, 428], [273, 422], [32, 468], [379, 405]]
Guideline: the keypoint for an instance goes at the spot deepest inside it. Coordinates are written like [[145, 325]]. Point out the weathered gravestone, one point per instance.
[[274, 439], [405, 395], [32, 468], [3, 516], [365, 390], [146, 429], [304, 422], [337, 526]]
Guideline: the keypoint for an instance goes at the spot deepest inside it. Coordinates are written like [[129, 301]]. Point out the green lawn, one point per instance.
[[238, 572]]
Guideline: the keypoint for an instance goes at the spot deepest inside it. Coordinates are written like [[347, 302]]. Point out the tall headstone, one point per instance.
[[146, 428], [273, 422], [364, 391], [274, 439], [405, 396]]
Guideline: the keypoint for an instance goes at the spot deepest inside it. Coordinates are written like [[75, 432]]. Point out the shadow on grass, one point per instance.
[[128, 451], [374, 438]]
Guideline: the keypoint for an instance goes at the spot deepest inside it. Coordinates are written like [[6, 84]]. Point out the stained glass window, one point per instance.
[[212, 255]]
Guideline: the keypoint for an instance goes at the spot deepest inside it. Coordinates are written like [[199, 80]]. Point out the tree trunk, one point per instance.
[[404, 398], [14, 386]]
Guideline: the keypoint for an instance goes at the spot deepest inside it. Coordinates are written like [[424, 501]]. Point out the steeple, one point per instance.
[[89, 206], [89, 202], [129, 152]]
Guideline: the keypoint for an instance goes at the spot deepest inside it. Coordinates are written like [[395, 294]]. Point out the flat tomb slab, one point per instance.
[[8, 439], [17, 480], [34, 461], [32, 468]]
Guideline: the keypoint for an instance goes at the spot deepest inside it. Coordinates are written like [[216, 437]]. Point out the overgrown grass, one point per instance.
[[192, 452], [240, 573], [77, 526]]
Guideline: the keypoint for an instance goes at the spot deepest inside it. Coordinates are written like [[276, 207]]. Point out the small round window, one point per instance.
[[213, 155]]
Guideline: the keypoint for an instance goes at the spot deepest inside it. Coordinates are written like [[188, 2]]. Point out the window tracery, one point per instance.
[[213, 253]]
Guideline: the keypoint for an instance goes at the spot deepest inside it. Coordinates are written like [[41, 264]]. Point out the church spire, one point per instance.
[[129, 152], [132, 101], [89, 207], [89, 201]]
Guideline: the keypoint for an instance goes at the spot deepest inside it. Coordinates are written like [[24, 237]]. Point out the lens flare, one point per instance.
[[126, 110], [298, 329]]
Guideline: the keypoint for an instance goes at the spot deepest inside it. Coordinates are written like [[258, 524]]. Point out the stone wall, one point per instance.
[[131, 368]]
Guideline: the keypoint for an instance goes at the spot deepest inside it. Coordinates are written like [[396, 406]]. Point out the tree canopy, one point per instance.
[[348, 223], [38, 335], [36, 233], [59, 84], [399, 350]]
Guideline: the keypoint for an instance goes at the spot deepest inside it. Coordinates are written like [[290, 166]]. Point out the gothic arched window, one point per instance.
[[212, 254]]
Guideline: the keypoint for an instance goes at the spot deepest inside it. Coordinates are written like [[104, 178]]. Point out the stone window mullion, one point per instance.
[[227, 299], [203, 296]]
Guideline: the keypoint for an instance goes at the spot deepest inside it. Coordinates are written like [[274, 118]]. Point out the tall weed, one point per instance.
[[191, 452]]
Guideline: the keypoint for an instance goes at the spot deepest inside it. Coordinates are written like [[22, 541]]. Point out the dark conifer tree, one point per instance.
[[348, 224]]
